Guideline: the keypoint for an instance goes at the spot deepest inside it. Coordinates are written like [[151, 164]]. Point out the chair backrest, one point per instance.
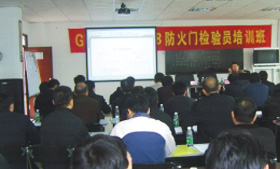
[[145, 147], [165, 165], [13, 153], [95, 127], [51, 154]]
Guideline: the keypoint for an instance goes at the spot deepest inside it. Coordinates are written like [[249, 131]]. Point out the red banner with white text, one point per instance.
[[196, 37], [213, 37], [77, 40]]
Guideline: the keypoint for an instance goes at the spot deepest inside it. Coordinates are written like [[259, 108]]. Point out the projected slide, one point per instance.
[[116, 53]]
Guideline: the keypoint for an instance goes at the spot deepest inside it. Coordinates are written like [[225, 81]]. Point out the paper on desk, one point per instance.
[[202, 147], [184, 150]]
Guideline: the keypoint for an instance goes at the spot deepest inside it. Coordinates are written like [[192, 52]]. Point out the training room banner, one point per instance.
[[196, 37], [213, 37], [77, 40]]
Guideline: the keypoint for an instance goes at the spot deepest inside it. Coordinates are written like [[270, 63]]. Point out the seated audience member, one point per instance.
[[53, 84], [165, 92], [105, 108], [88, 109], [131, 81], [270, 85], [62, 128], [255, 90], [271, 109], [43, 101], [119, 91], [126, 88], [234, 89], [179, 103], [101, 152], [235, 149], [244, 116], [148, 140], [155, 112], [15, 128], [211, 114], [158, 81], [79, 78], [234, 69]]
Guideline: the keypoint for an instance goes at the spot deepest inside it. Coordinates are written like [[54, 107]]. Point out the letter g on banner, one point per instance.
[[77, 40]]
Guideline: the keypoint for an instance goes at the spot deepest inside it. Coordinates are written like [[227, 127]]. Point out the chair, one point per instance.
[[166, 165], [95, 127], [13, 152], [52, 155], [16, 155]]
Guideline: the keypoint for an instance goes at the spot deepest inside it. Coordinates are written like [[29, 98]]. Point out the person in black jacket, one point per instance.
[[62, 128], [244, 116], [105, 108], [155, 112], [179, 103], [15, 128], [211, 114], [263, 76]]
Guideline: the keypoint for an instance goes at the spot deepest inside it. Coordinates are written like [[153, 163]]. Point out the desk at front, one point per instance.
[[196, 159]]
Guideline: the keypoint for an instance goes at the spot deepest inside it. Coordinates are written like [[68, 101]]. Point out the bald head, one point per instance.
[[81, 89], [210, 85]]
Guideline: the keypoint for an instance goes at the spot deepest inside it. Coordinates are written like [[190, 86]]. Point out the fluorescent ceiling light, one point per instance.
[[271, 9], [201, 9]]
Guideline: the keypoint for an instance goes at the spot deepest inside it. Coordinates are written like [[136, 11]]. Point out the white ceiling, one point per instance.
[[149, 10]]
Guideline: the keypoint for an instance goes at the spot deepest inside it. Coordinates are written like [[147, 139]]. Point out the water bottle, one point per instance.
[[202, 80], [117, 114], [222, 81], [37, 116], [176, 120], [189, 137], [161, 107]]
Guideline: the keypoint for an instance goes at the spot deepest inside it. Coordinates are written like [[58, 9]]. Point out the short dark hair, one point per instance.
[[152, 96], [91, 85], [158, 77], [210, 84], [254, 77], [179, 88], [137, 103], [245, 110], [43, 87], [5, 101], [234, 63], [263, 76], [233, 77], [53, 82], [62, 96], [126, 86], [81, 88], [130, 80], [79, 78], [167, 81], [138, 89], [235, 149], [100, 152]]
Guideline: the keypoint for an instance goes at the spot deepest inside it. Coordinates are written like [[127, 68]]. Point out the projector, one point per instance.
[[124, 9]]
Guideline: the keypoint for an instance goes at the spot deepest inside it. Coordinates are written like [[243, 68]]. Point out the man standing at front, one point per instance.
[[148, 140]]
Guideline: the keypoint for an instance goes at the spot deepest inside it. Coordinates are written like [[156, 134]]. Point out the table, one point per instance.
[[197, 160]]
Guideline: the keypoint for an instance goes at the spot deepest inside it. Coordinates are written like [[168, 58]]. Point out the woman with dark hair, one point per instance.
[[101, 152], [271, 108]]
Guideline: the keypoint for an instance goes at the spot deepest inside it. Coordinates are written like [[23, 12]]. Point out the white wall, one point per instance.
[[67, 65], [10, 65]]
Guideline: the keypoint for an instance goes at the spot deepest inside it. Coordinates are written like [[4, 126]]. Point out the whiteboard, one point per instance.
[[33, 74]]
